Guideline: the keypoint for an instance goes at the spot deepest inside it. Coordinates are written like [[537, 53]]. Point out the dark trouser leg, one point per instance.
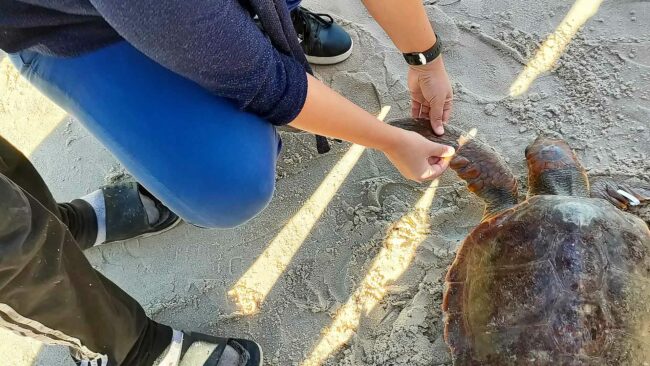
[[78, 216], [15, 166], [50, 292]]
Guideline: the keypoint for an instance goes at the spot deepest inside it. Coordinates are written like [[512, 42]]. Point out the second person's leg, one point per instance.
[[78, 216], [49, 291], [99, 217]]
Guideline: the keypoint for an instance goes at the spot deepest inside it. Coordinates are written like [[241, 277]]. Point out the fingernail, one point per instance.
[[439, 130], [451, 150]]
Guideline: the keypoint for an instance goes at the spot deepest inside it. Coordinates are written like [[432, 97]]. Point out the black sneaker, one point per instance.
[[323, 41]]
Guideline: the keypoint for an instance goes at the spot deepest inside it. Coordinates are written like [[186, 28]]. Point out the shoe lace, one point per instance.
[[305, 15]]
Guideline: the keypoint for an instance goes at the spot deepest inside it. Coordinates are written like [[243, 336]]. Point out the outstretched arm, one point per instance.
[[327, 113], [407, 24]]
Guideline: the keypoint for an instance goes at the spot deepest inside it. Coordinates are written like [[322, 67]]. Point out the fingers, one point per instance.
[[446, 109], [436, 162], [415, 108], [424, 111], [431, 93], [419, 109], [433, 171], [442, 165], [430, 173], [436, 115], [442, 151]]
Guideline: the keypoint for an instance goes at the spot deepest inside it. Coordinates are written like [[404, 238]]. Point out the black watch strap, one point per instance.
[[423, 58]]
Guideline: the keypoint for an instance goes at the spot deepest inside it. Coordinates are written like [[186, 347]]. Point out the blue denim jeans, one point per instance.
[[211, 163]]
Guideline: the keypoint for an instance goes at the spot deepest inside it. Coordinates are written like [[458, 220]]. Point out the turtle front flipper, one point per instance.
[[485, 172], [554, 169], [634, 199]]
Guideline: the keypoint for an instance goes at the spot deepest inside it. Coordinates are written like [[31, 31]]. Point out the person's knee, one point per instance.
[[252, 199], [235, 204]]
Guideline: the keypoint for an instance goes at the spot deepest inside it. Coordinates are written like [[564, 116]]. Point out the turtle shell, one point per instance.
[[555, 280]]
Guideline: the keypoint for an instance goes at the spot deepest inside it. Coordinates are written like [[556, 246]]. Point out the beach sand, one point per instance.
[[355, 275]]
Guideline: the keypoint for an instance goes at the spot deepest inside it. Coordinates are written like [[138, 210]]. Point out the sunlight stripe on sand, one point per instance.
[[253, 287], [399, 247], [555, 44]]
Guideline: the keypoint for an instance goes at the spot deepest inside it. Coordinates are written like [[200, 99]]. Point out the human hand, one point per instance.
[[418, 158], [431, 93]]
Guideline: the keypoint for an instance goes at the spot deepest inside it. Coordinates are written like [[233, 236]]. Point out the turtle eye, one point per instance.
[[536, 142], [529, 149]]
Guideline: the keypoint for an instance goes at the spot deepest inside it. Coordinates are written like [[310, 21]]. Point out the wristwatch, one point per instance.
[[423, 58]]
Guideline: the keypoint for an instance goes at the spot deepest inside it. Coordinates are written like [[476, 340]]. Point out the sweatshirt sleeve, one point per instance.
[[217, 45]]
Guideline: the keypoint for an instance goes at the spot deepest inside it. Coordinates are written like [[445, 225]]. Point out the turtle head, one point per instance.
[[553, 168]]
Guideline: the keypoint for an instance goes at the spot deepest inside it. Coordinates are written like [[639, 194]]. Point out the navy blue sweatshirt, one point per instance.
[[215, 43]]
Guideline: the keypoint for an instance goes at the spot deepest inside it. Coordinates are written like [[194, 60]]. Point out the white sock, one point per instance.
[[150, 207], [96, 200], [171, 356], [196, 355]]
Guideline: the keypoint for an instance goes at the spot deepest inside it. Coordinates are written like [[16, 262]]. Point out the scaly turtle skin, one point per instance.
[[561, 278]]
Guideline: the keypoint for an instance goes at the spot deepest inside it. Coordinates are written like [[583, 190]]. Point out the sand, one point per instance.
[[372, 267]]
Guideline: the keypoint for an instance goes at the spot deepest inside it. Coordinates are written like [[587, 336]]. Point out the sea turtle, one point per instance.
[[560, 278]]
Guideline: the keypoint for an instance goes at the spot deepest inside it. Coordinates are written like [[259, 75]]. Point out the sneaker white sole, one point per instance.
[[318, 60]]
